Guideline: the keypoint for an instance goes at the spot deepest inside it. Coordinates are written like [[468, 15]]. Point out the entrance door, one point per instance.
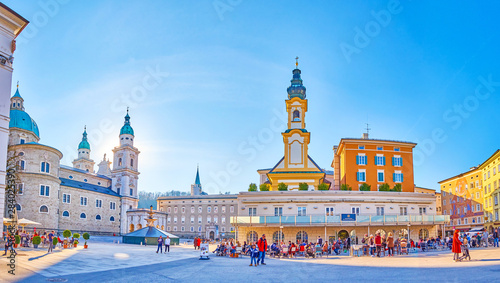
[[212, 235], [343, 234]]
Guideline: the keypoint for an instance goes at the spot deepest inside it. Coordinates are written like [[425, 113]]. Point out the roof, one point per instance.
[[381, 140], [302, 130], [21, 18], [280, 172], [83, 171], [198, 197], [22, 120], [127, 129], [459, 175], [197, 180], [17, 94], [152, 232], [88, 187], [84, 143], [486, 161]]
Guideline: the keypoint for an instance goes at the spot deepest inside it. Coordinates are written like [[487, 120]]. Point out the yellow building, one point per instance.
[[462, 199], [490, 174], [296, 166]]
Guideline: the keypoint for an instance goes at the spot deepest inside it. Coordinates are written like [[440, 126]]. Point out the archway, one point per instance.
[[139, 226], [302, 237], [423, 234], [278, 237], [131, 228], [252, 237], [212, 235], [343, 234]]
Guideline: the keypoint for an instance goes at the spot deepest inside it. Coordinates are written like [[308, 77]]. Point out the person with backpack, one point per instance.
[[262, 245]]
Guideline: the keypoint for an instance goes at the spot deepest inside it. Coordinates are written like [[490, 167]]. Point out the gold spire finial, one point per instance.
[[17, 84], [297, 62]]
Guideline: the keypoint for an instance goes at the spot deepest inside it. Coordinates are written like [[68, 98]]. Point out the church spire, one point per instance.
[[296, 89], [197, 180], [84, 144], [127, 129]]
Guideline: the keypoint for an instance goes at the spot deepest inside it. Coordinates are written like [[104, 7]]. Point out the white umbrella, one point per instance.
[[26, 222]]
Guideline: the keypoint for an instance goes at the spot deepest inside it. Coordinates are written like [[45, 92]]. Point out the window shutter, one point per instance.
[[376, 160], [357, 159], [384, 159], [393, 161], [394, 177], [357, 176], [401, 161], [402, 177]]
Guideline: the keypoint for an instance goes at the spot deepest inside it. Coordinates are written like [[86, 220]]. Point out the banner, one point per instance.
[[348, 217]]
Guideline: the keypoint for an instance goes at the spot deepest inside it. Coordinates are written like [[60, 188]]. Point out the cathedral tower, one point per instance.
[[124, 174], [83, 161], [196, 187]]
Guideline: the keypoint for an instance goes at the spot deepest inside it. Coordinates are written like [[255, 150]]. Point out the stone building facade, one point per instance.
[[76, 198]]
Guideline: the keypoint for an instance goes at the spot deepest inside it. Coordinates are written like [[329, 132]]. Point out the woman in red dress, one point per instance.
[[455, 248]]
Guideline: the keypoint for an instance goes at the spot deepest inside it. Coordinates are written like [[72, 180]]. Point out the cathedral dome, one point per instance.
[[20, 119], [127, 129], [84, 144]]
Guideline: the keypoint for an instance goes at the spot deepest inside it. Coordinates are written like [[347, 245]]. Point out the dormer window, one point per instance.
[[22, 141], [296, 116]]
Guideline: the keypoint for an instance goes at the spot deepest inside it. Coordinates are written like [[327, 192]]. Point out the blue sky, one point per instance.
[[420, 71]]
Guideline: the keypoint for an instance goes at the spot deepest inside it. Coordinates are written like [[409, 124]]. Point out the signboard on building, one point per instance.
[[204, 252], [348, 217]]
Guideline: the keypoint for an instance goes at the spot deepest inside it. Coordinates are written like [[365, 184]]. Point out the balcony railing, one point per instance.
[[324, 220]]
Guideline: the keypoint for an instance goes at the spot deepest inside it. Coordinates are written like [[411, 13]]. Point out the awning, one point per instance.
[[477, 229]]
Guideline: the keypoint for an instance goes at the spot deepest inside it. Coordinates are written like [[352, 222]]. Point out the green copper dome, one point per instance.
[[20, 119], [84, 144], [127, 129]]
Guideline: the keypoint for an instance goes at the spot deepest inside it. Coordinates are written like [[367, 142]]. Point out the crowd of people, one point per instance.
[[26, 239]]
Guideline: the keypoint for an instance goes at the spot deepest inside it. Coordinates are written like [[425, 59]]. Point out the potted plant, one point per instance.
[[36, 241], [86, 236], [18, 241], [365, 187], [76, 236], [252, 187], [303, 187], [55, 241], [345, 187], [264, 187], [66, 235], [323, 187], [282, 187]]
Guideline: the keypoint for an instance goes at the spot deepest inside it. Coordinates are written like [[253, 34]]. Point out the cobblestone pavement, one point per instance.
[[107, 262]]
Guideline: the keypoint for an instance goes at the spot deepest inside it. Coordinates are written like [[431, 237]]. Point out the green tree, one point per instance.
[[252, 187], [345, 187], [282, 187], [365, 187], [264, 187], [303, 187], [67, 233], [323, 187], [397, 188], [384, 188]]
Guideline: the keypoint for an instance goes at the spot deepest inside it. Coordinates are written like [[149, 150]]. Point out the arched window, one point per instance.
[[423, 234], [97, 217], [277, 238], [296, 116], [44, 209], [83, 216], [112, 219], [18, 207], [252, 237], [302, 237], [131, 163], [119, 162], [131, 229], [381, 231], [65, 213]]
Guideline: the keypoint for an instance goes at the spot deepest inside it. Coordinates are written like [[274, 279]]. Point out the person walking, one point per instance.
[[378, 244], [262, 244], [495, 238], [456, 249], [51, 243], [167, 244], [160, 244], [194, 242], [390, 244]]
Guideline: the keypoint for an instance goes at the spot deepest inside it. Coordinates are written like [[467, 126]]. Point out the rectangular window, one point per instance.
[[209, 219], [301, 211], [112, 205], [216, 209], [231, 209], [380, 176], [183, 219], [403, 210], [444, 202], [45, 167], [168, 219], [380, 210], [444, 212], [278, 211], [44, 190], [396, 149], [361, 147], [22, 141], [422, 210], [397, 161], [192, 219], [83, 201], [131, 192], [223, 209], [192, 209], [379, 160], [66, 198], [252, 211], [175, 209], [169, 228], [183, 209], [223, 220], [361, 159], [175, 219], [216, 219], [98, 203], [200, 209], [191, 229], [199, 228], [355, 210], [199, 220], [330, 211], [175, 228], [397, 177], [496, 200], [466, 221], [361, 175], [496, 215], [209, 209], [380, 148]]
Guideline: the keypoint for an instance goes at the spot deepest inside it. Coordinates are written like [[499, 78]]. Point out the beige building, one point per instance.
[[206, 216], [11, 25], [431, 192], [305, 215], [76, 198]]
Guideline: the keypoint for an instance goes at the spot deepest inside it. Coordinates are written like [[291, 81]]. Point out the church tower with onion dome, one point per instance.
[[125, 174], [83, 161]]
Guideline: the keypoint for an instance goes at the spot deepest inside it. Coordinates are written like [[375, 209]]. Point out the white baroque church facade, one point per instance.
[[72, 197]]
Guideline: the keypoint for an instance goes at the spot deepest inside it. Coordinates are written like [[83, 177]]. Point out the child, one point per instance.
[[254, 254]]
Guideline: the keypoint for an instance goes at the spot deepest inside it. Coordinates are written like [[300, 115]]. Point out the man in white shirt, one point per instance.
[[167, 244]]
